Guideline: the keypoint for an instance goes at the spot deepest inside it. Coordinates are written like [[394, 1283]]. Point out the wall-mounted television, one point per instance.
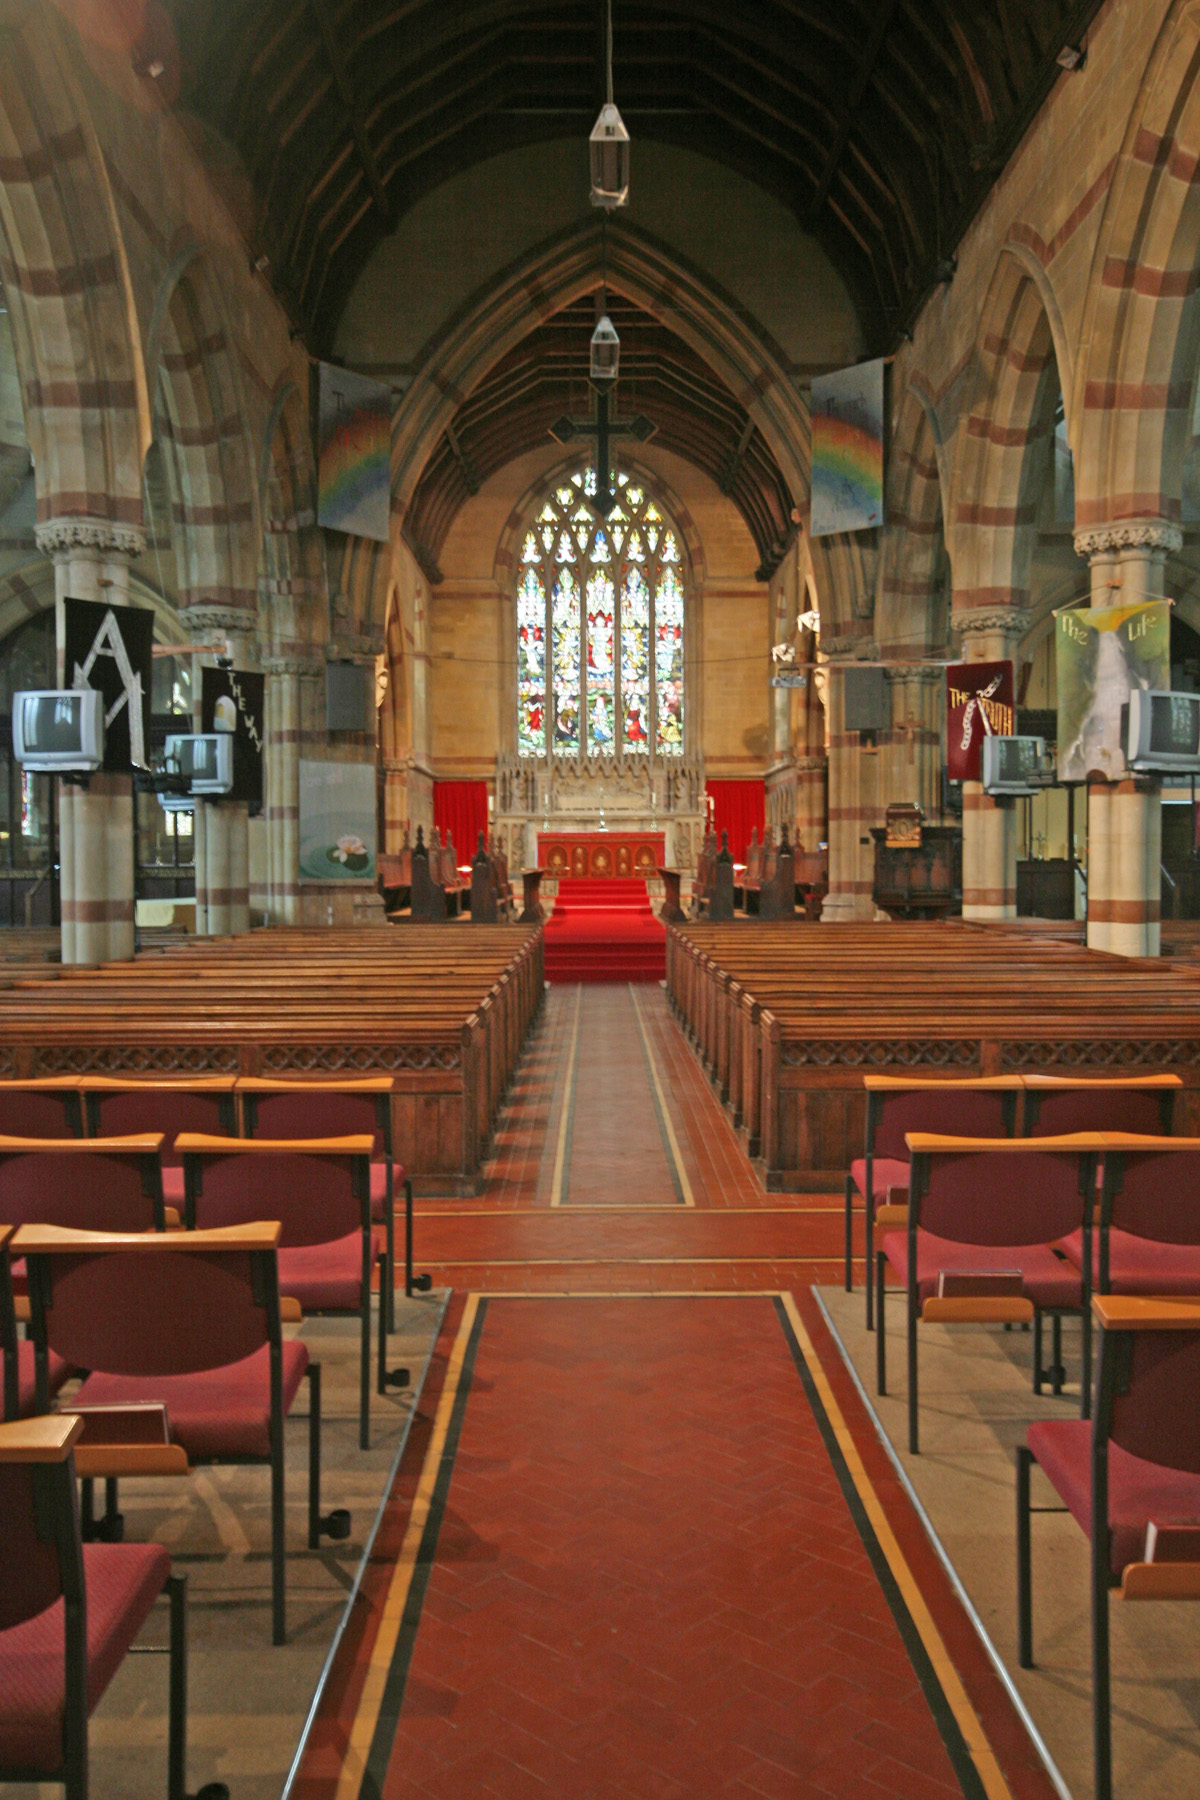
[[1016, 765], [1162, 731], [58, 731], [203, 759]]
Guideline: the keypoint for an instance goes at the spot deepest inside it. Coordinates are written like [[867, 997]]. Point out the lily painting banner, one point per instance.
[[337, 821], [847, 449]]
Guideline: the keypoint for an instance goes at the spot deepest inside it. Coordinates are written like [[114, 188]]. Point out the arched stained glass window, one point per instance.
[[607, 598]]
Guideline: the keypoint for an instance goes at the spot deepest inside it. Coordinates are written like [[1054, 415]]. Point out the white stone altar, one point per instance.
[[599, 793]]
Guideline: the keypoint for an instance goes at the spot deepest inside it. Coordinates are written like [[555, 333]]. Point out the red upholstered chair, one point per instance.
[[1136, 1464], [1058, 1104], [976, 1206], [87, 1184], [115, 1104], [340, 1106], [191, 1321], [1148, 1241], [69, 1613], [18, 1388], [318, 1189], [896, 1104], [44, 1106]]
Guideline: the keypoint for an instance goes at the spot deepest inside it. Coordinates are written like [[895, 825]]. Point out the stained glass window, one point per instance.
[[607, 598]]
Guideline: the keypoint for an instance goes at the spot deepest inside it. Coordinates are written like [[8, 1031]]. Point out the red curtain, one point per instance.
[[738, 807], [462, 807]]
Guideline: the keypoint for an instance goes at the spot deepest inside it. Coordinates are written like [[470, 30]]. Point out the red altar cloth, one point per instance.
[[598, 854]]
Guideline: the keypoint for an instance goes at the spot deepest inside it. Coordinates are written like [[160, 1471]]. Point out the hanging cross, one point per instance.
[[604, 430]]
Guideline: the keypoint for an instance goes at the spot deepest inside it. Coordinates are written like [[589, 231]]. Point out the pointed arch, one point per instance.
[[911, 613]]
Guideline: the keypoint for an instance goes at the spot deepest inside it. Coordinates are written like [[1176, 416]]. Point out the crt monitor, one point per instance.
[[58, 731], [204, 759], [1162, 731], [1015, 765]]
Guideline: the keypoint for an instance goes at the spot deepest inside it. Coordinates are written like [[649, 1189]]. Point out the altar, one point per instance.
[[600, 855]]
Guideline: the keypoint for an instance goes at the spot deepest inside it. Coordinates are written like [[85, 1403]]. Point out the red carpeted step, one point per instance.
[[604, 931]]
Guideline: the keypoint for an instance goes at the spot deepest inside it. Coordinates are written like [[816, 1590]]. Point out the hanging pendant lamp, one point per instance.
[[606, 351], [608, 147]]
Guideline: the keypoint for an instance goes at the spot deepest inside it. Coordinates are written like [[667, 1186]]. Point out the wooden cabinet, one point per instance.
[[1046, 888], [919, 881]]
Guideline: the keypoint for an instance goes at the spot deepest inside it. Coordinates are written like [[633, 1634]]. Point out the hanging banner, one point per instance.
[[354, 453], [337, 821], [847, 449], [234, 702], [1101, 653], [979, 704], [111, 648]]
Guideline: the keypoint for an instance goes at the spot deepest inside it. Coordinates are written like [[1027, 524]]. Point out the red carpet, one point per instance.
[[604, 931]]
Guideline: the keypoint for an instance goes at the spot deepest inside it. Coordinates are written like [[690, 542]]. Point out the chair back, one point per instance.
[[318, 1188], [1147, 1396], [168, 1105], [971, 1108], [308, 1109], [8, 1329], [40, 1556], [172, 1305], [999, 1192], [1056, 1105], [46, 1109], [88, 1184], [1154, 1193]]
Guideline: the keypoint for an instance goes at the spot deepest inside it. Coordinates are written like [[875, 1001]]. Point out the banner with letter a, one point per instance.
[[979, 704]]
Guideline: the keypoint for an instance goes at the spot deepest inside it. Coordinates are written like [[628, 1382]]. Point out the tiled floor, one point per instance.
[[646, 1543]]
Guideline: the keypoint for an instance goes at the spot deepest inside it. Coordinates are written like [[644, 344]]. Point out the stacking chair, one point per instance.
[[1058, 1104], [41, 1106], [69, 1613], [18, 1389], [166, 1103], [340, 1106], [973, 1107], [980, 1208], [1137, 1464], [1148, 1236], [89, 1184], [190, 1321], [318, 1189]]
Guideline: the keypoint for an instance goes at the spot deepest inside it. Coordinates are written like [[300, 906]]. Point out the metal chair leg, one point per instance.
[[849, 1239], [913, 1426], [1101, 1672], [177, 1701], [880, 1333], [869, 1253], [1024, 1565]]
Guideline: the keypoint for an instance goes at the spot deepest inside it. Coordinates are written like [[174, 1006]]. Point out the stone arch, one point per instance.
[[1141, 335], [64, 270], [911, 614], [291, 567], [1005, 444], [563, 269], [199, 420]]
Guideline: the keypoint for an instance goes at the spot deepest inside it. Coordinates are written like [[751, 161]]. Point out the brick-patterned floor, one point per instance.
[[646, 1579]]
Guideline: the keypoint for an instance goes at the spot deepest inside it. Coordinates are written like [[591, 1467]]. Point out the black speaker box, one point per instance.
[[866, 700]]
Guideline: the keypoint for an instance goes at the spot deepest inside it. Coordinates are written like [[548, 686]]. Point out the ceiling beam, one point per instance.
[[341, 81], [885, 12]]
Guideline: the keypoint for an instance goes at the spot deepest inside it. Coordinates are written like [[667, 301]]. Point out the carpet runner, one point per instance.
[[604, 931]]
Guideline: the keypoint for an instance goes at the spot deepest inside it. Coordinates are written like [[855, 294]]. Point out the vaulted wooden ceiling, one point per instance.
[[881, 124]]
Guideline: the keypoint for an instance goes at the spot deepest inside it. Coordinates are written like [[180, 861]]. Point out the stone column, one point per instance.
[[287, 678], [912, 758], [1127, 564], [989, 634], [95, 823], [853, 808], [222, 829], [812, 825]]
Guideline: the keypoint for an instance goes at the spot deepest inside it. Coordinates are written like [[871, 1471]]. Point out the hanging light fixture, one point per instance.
[[606, 351], [608, 147]]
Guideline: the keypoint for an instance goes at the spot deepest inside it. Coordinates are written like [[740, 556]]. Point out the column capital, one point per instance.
[[810, 765], [846, 650], [309, 666], [1130, 534], [355, 647], [239, 621], [916, 674], [67, 536], [972, 620]]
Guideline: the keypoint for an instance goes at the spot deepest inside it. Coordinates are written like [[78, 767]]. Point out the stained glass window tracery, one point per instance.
[[600, 627]]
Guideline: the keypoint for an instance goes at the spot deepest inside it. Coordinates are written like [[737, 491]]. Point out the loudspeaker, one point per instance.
[[346, 702], [866, 700]]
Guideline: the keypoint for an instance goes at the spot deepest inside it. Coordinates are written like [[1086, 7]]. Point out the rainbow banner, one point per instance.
[[847, 450], [354, 454]]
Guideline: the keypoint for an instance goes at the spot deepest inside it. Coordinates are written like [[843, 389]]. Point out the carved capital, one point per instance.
[[203, 620], [916, 674], [355, 647], [303, 666], [1131, 534], [394, 765], [972, 621], [810, 765], [66, 537], [850, 649]]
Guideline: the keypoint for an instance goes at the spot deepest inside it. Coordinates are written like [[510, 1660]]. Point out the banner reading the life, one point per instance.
[[1101, 654], [847, 449]]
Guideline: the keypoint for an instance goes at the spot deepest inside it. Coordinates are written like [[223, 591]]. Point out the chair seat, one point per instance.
[[886, 1172], [57, 1370], [1138, 1265], [217, 1413], [1138, 1491], [122, 1583], [1048, 1281], [172, 1185], [328, 1277]]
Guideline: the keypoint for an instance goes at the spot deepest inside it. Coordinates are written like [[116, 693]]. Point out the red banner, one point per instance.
[[979, 704]]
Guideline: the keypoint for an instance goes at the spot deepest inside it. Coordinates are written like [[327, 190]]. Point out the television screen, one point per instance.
[[203, 759], [58, 729], [52, 723], [1174, 724], [1014, 765]]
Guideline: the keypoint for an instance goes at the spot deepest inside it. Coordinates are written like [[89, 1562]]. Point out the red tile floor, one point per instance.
[[645, 1542]]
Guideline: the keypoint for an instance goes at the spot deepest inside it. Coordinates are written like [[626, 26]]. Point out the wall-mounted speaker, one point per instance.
[[866, 699], [347, 701]]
